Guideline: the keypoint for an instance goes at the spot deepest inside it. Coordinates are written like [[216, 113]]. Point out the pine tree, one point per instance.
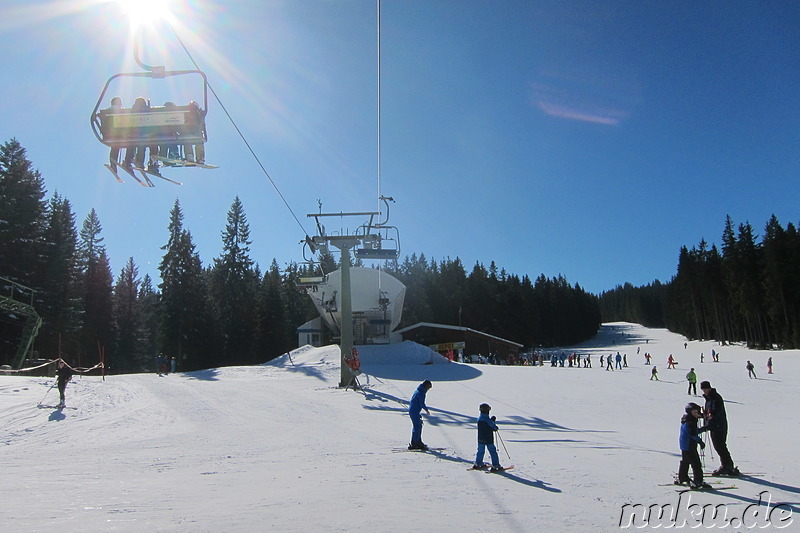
[[186, 331], [298, 306], [95, 289], [131, 353], [22, 216], [149, 305], [98, 322], [60, 298], [274, 339], [234, 288]]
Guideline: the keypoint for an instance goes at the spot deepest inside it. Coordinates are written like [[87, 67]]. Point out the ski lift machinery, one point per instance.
[[371, 240], [159, 125]]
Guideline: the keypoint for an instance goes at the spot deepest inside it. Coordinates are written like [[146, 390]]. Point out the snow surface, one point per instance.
[[278, 447]]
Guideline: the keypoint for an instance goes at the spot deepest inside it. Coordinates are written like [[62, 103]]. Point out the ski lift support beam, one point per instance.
[[344, 243]]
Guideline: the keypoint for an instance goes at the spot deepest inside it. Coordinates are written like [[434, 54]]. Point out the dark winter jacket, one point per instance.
[[690, 435], [64, 374], [714, 412], [486, 429], [417, 403]]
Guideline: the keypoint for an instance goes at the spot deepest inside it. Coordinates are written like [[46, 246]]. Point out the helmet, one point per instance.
[[485, 408], [691, 407]]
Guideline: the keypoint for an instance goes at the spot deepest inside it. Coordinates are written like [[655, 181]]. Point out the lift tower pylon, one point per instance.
[[368, 236]]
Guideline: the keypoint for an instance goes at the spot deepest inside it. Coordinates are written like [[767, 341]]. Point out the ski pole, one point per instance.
[[711, 448], [48, 391], [703, 452], [503, 443]]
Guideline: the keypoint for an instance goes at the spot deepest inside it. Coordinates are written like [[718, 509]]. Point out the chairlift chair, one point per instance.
[[159, 125]]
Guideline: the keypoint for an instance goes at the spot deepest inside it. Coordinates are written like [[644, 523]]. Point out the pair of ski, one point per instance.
[[172, 162], [712, 488], [144, 181], [418, 450], [712, 474], [489, 470], [59, 406], [714, 485]]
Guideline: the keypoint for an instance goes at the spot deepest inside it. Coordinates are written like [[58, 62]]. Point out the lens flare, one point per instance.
[[143, 12]]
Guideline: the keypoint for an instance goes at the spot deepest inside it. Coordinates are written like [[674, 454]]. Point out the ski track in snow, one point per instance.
[[279, 447]]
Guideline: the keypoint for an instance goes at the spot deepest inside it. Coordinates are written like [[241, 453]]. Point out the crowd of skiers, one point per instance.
[[713, 415]]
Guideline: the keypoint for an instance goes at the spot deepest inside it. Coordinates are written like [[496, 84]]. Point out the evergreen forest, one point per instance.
[[228, 311], [748, 291]]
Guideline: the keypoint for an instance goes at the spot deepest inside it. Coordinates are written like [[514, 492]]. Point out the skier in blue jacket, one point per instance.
[[415, 407], [688, 440], [486, 429]]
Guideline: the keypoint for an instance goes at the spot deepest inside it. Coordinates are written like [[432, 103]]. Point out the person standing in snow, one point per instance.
[[671, 362], [647, 358], [769, 365], [691, 377], [602, 358], [751, 370], [618, 359], [486, 429], [654, 374], [415, 407], [688, 440], [64, 374], [717, 424], [609, 363]]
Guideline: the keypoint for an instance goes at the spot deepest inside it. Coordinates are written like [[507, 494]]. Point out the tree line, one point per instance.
[[747, 291], [544, 312], [228, 312]]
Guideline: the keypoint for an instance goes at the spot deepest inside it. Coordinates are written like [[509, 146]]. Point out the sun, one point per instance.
[[142, 12]]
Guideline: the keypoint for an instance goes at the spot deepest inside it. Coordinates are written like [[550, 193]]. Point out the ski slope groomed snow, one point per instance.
[[279, 447]]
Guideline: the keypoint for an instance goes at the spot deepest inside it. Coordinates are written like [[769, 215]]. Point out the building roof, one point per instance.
[[456, 328]]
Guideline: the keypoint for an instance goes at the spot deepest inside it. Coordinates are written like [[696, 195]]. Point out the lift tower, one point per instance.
[[371, 240]]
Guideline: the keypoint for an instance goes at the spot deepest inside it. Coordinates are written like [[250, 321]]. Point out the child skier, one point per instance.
[[688, 441], [486, 429]]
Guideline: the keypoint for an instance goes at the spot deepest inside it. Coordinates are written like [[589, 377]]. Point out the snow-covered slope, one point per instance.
[[280, 447]]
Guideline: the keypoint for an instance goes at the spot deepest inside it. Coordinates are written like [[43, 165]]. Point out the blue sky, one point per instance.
[[589, 139]]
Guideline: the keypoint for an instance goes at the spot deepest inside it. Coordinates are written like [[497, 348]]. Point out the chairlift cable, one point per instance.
[[379, 109], [378, 163], [241, 135]]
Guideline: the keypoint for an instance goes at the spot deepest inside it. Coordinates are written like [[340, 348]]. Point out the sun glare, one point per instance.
[[142, 12]]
